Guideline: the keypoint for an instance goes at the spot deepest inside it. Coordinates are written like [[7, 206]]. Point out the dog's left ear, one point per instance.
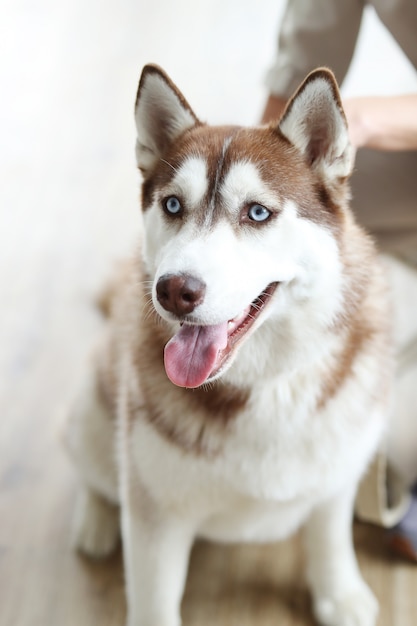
[[162, 114], [314, 122]]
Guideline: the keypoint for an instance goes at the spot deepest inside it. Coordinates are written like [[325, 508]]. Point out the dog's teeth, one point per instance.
[[236, 321]]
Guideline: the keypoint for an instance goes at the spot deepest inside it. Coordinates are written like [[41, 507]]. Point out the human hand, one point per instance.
[[383, 122]]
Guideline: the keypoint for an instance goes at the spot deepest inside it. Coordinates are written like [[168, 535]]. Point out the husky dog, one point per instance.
[[246, 364]]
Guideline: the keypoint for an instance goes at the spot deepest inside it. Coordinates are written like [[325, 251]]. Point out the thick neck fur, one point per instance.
[[309, 362]]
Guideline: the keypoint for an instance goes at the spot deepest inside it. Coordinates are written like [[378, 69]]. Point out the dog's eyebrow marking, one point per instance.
[[243, 183], [211, 202], [191, 178], [219, 168]]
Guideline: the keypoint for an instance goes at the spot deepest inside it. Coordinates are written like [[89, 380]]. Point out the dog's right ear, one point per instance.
[[314, 122], [162, 114]]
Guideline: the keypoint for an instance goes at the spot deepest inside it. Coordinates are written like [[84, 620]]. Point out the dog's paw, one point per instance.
[[96, 526], [355, 608]]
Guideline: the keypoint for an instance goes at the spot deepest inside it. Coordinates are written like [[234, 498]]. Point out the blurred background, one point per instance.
[[68, 209]]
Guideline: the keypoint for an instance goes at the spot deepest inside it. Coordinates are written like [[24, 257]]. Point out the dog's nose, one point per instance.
[[180, 293]]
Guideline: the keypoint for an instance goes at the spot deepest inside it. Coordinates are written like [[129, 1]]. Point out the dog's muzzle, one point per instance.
[[199, 353]]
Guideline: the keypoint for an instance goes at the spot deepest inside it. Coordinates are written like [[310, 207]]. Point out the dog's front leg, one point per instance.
[[340, 595], [156, 552]]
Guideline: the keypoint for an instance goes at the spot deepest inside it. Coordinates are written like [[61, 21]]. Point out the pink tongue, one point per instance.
[[191, 355]]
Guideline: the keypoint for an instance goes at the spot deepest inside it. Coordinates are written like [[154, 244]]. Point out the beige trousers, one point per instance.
[[383, 496]]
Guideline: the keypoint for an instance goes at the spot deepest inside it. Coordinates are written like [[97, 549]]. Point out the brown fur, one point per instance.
[[363, 323]]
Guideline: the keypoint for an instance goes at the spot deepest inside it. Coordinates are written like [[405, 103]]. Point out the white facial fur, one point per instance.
[[243, 184], [237, 262], [191, 181]]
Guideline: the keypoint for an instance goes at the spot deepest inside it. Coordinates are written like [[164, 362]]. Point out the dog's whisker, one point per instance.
[[145, 282], [148, 311], [169, 165]]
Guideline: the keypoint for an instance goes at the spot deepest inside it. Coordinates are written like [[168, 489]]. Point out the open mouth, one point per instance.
[[239, 326], [196, 354]]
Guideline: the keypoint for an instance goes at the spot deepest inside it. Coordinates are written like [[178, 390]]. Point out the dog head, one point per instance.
[[241, 224]]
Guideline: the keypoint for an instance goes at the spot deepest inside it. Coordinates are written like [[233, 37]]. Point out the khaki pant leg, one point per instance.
[[402, 438], [383, 495]]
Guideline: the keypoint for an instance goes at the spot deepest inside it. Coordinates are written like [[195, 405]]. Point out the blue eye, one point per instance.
[[172, 205], [258, 213]]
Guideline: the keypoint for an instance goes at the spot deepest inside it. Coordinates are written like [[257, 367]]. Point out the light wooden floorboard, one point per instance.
[[68, 203]]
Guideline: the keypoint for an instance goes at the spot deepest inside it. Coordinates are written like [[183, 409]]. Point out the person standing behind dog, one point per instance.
[[318, 33], [324, 32]]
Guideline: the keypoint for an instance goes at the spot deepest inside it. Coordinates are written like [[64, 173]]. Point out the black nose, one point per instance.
[[180, 294]]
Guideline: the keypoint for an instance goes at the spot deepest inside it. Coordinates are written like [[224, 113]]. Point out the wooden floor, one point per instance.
[[68, 75]]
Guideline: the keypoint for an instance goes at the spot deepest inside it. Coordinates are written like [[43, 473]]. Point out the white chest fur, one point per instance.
[[273, 465]]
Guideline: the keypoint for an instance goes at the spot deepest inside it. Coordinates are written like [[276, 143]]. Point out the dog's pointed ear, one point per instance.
[[161, 113], [314, 122]]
